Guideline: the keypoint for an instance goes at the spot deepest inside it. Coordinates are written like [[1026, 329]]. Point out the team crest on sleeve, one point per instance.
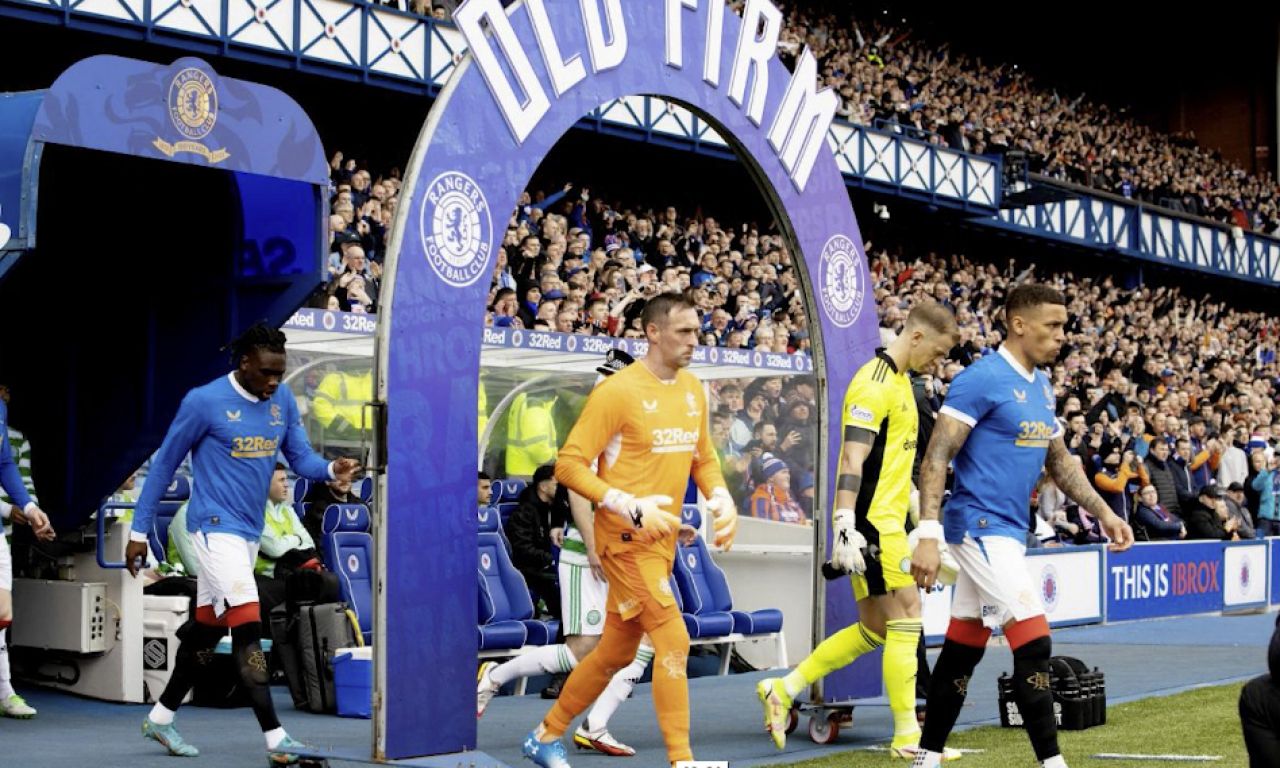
[[276, 419], [838, 281], [456, 228]]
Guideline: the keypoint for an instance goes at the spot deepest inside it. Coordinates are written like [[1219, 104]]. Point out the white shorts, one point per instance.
[[6, 563], [582, 600], [226, 571], [993, 584]]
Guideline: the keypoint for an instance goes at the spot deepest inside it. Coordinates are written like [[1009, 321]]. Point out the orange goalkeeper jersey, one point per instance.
[[649, 436]]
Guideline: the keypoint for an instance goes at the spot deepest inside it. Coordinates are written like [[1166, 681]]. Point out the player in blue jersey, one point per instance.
[[998, 425], [23, 510], [234, 427]]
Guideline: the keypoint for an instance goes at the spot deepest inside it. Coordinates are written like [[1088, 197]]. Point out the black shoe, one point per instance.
[[552, 691]]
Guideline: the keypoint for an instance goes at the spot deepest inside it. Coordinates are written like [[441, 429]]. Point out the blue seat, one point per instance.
[[364, 489], [506, 495], [495, 634], [177, 494], [349, 554], [301, 487], [488, 520], [509, 593], [709, 605]]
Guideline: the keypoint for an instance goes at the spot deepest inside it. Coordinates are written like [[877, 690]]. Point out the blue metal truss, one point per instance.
[[367, 42]]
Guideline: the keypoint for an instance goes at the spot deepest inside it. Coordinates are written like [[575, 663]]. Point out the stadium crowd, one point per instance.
[[1142, 366], [891, 78]]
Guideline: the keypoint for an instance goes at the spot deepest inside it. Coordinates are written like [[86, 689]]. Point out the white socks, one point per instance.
[[549, 660], [161, 715], [6, 688], [1056, 761], [617, 691], [274, 737]]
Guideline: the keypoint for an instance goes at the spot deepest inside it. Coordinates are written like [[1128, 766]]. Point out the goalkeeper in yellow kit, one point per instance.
[[869, 539]]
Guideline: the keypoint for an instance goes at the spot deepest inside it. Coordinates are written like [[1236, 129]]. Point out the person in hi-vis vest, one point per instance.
[[531, 433]]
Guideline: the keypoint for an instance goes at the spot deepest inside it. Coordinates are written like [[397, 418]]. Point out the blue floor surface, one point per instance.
[[726, 720]]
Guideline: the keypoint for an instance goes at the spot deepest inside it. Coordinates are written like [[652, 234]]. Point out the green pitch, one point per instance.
[[1199, 722]]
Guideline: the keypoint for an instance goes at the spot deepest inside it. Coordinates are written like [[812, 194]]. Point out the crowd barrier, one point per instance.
[[1090, 585]]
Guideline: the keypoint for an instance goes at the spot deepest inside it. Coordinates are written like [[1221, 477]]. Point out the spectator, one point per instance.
[[1154, 521], [1233, 467], [772, 497], [1264, 483], [1161, 471], [1207, 517], [533, 528], [283, 536], [319, 498], [1238, 511]]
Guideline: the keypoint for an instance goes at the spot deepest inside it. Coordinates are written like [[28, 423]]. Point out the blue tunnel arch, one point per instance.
[[471, 161], [116, 316]]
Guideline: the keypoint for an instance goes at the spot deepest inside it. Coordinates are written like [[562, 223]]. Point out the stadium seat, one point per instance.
[[349, 553], [301, 487], [509, 593], [488, 520], [364, 489], [706, 591], [496, 634], [177, 494], [506, 496]]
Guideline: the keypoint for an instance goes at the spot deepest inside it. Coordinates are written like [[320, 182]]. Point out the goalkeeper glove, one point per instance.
[[645, 513], [847, 545], [724, 517]]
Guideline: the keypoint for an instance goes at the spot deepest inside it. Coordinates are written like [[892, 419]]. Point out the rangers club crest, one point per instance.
[[1050, 588], [838, 281], [456, 228]]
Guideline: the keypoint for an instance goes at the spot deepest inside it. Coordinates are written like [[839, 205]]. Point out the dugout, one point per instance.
[[155, 210]]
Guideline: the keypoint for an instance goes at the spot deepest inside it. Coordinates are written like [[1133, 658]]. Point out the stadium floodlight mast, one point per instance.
[[531, 72]]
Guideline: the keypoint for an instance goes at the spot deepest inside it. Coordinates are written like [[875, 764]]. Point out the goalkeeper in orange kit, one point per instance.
[[648, 426]]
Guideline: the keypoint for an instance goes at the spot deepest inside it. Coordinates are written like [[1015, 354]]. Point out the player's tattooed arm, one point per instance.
[[949, 434], [1069, 476]]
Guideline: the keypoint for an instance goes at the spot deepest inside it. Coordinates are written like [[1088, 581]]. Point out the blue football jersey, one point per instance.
[[234, 440], [1012, 415], [10, 476]]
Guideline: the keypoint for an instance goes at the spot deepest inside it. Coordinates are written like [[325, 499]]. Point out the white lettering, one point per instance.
[[1140, 582], [754, 49], [611, 55], [300, 320], [593, 344], [521, 116], [777, 361], [715, 31], [733, 357], [800, 127], [494, 337], [564, 73], [675, 33], [545, 341]]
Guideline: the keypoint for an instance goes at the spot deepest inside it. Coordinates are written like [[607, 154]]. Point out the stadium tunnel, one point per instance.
[[112, 316]]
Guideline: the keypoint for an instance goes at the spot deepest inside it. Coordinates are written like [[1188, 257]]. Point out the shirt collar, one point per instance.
[[231, 377], [1013, 362]]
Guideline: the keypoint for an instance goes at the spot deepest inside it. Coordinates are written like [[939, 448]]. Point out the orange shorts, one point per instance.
[[640, 586]]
